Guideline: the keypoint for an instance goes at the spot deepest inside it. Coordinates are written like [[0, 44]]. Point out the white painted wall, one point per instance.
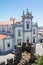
[[6, 28], [5, 42], [27, 34]]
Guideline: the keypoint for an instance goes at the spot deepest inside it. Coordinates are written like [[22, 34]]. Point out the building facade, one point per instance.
[[23, 31], [6, 43], [26, 30]]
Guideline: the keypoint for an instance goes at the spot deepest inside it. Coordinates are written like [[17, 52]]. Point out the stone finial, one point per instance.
[[31, 13], [23, 12], [27, 11]]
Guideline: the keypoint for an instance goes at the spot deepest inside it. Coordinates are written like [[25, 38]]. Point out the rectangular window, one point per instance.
[[27, 26], [33, 40], [9, 31], [19, 32], [8, 45], [3, 30], [33, 31]]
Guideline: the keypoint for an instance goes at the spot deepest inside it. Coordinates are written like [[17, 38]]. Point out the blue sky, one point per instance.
[[9, 8]]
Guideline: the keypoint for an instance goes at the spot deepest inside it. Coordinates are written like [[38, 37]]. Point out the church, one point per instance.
[[21, 31], [26, 30]]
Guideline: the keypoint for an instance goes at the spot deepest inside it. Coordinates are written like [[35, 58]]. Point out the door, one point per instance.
[[27, 41]]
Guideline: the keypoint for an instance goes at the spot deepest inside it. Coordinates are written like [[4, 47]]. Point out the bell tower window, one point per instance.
[[27, 26]]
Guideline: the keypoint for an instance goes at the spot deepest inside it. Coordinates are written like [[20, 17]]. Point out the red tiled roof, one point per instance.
[[6, 23], [2, 36], [9, 22]]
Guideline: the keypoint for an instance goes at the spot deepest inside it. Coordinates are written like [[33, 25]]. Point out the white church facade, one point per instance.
[[26, 30], [21, 31]]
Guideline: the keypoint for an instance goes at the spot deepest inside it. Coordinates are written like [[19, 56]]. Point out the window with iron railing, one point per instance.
[[19, 32]]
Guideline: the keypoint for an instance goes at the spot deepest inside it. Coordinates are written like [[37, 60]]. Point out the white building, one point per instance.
[[26, 30], [23, 31], [6, 43]]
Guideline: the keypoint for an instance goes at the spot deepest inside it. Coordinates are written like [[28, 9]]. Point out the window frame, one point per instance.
[[27, 25], [8, 45]]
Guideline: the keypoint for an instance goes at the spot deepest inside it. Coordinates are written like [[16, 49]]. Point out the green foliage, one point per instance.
[[39, 60]]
